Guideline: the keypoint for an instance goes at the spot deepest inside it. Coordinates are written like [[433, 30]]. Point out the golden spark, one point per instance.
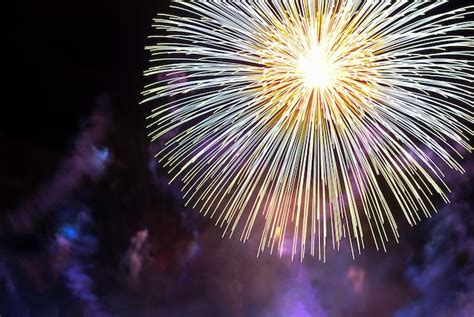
[[315, 118]]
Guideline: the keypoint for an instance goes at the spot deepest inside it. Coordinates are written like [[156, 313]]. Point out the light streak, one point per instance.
[[315, 117]]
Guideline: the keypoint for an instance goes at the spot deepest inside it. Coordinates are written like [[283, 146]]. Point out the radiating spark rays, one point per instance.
[[313, 117]]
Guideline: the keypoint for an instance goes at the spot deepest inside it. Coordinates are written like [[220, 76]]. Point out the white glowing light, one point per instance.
[[315, 68], [309, 122]]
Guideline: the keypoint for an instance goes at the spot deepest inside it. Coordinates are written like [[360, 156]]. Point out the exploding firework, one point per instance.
[[312, 119]]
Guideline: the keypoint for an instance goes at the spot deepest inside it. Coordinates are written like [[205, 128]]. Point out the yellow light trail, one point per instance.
[[314, 119]]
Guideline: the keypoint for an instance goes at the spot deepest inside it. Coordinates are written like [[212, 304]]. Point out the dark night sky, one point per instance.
[[76, 162], [61, 57]]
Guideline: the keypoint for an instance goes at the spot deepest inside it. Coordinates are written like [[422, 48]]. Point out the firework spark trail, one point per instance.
[[312, 114]]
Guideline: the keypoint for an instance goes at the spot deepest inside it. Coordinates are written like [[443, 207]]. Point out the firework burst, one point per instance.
[[314, 118]]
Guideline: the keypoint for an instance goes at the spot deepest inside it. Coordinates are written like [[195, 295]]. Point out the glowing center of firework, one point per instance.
[[315, 68]]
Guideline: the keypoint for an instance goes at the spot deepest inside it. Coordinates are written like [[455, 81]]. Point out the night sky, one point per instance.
[[90, 227]]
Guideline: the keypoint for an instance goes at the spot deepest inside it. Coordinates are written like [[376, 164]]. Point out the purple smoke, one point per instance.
[[443, 275], [85, 161], [79, 245]]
